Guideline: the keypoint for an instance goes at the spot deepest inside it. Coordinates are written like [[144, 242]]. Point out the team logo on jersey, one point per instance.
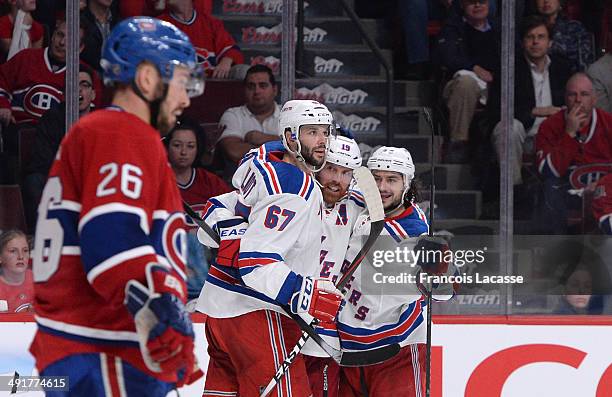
[[40, 98], [583, 176], [207, 59], [174, 242]]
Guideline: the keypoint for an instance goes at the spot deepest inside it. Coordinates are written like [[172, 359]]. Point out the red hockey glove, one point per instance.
[[315, 298], [163, 325]]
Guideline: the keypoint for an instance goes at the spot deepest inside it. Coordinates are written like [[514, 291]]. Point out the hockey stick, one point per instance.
[[342, 358], [432, 188], [368, 187]]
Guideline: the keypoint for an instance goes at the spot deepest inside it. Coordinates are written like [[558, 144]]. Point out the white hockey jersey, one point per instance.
[[284, 209], [373, 319], [339, 222]]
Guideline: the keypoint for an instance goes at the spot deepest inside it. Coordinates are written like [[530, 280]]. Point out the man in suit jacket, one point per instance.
[[539, 88]]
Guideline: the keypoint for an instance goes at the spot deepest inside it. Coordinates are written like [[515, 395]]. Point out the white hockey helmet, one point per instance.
[[298, 112], [395, 159], [344, 151]]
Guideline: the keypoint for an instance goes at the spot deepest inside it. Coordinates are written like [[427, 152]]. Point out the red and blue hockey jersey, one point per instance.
[[108, 209], [374, 319], [557, 151], [29, 86], [209, 37]]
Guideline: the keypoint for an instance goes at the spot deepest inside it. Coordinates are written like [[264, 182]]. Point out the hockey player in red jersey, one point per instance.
[[372, 319], [278, 255], [109, 248]]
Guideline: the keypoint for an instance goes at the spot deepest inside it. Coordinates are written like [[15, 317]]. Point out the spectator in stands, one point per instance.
[[254, 123], [16, 281], [18, 30], [49, 133], [30, 83], [570, 39], [578, 295], [196, 185], [579, 135], [539, 90], [415, 16], [601, 73], [97, 19], [134, 8], [217, 49], [469, 48]]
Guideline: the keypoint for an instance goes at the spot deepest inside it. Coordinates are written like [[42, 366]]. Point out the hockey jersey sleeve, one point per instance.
[[129, 208], [275, 225], [555, 149], [8, 73], [224, 43]]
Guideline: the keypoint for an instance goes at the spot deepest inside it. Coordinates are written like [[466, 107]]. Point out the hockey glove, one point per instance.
[[432, 254], [163, 325], [315, 298], [230, 232]]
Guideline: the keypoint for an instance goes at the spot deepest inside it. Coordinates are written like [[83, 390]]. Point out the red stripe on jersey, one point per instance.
[[111, 375], [305, 185], [398, 229], [398, 330]]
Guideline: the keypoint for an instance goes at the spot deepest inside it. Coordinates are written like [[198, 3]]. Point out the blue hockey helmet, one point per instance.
[[140, 39]]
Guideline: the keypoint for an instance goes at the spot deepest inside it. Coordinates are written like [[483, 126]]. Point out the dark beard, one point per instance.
[[309, 158]]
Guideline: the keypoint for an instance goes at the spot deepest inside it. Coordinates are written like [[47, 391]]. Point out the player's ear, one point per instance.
[[290, 141], [146, 79]]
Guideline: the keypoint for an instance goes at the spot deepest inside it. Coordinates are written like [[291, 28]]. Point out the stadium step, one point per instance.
[[256, 8], [319, 31], [335, 61]]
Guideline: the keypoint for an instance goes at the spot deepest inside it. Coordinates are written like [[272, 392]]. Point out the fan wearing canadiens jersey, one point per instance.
[[372, 320], [278, 255], [578, 136], [216, 48], [109, 252]]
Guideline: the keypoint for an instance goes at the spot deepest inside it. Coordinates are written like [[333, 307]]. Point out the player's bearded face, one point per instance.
[[313, 140], [391, 187], [175, 102], [335, 181]]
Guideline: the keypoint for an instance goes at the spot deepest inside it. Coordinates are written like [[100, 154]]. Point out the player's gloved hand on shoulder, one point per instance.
[[230, 232], [163, 324], [432, 254], [315, 298]]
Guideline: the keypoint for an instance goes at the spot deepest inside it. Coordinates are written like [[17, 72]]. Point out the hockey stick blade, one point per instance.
[[370, 192], [209, 238]]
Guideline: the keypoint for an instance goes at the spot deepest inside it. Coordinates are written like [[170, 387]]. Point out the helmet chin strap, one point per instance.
[[298, 155], [154, 105]]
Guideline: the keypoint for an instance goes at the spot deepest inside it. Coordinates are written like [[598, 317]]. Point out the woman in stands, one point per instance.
[[16, 281]]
